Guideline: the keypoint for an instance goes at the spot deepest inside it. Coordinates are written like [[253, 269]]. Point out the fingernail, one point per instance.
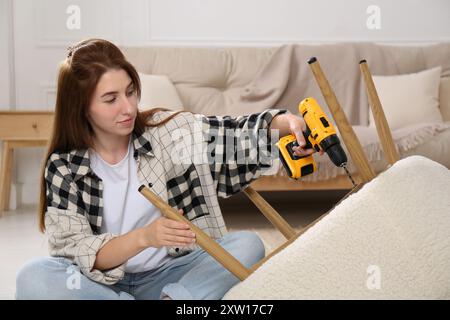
[[193, 234]]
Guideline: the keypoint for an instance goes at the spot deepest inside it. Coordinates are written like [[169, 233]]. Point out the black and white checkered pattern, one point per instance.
[[185, 161]]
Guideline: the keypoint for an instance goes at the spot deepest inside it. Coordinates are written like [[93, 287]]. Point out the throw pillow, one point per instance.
[[409, 98], [158, 91], [444, 98]]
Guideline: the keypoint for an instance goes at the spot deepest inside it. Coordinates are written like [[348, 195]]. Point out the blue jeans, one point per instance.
[[194, 276]]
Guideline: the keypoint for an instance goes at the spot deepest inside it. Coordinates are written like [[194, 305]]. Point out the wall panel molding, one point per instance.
[[11, 56], [51, 30], [47, 95], [269, 22]]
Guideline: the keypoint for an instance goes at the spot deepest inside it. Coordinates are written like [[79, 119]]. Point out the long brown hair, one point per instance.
[[78, 76]]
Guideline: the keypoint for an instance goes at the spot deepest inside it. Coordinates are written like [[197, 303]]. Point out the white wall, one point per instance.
[[279, 21], [6, 72], [4, 56], [41, 36]]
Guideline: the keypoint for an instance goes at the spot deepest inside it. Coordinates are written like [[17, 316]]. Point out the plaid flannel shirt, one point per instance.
[[185, 161]]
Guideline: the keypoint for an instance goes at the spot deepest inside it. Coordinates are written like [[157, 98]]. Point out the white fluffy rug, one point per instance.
[[390, 240]]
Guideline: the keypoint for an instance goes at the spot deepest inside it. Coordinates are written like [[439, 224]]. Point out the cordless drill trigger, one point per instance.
[[306, 135]]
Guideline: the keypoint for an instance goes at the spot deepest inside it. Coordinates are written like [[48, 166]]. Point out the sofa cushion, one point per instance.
[[214, 80], [158, 91], [444, 98], [208, 80], [409, 98]]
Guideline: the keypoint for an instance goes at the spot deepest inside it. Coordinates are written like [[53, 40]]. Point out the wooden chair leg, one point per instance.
[[203, 240], [270, 213], [348, 135], [384, 133], [5, 176]]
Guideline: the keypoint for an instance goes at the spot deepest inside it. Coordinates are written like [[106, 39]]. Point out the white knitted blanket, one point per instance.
[[408, 140], [390, 240]]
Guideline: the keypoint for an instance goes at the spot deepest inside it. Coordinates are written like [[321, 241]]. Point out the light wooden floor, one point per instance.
[[21, 241]]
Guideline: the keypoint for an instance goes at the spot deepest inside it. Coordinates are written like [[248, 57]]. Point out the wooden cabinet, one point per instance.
[[20, 129]]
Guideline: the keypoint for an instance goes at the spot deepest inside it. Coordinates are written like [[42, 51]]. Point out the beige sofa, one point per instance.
[[242, 80]]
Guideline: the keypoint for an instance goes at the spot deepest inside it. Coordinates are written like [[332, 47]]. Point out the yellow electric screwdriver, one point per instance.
[[320, 135]]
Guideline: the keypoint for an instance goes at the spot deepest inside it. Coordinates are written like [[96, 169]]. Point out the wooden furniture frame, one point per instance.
[[354, 147], [20, 129]]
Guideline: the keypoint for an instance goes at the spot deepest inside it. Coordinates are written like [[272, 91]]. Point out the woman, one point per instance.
[[106, 240]]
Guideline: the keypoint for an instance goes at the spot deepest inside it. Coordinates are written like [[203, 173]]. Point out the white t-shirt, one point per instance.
[[125, 209]]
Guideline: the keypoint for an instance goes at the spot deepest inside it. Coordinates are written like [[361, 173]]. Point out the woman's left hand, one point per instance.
[[289, 123]]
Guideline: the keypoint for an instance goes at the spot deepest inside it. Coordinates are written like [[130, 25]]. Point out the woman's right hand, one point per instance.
[[164, 232]]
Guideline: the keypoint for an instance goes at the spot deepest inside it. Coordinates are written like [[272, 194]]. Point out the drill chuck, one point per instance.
[[332, 146], [337, 155]]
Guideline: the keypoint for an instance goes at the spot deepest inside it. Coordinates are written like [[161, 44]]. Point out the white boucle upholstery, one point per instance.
[[398, 225]]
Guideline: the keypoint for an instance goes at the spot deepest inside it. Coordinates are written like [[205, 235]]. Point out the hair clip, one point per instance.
[[70, 50]]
